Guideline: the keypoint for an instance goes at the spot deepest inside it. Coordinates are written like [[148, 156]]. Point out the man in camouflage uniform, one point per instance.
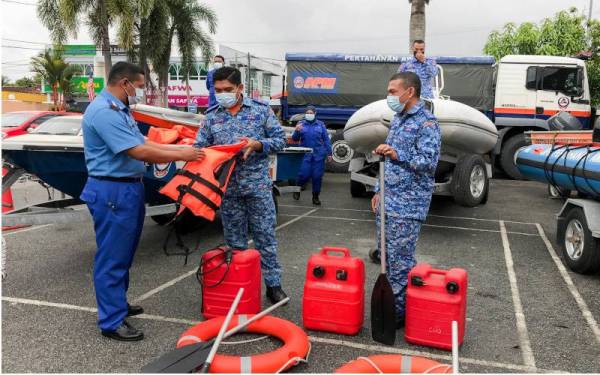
[[411, 153], [422, 66], [248, 202]]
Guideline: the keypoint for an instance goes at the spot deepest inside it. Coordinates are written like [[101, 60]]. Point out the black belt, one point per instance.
[[118, 179]]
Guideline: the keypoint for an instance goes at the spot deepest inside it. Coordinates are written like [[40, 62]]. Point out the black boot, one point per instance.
[[316, 200], [275, 294], [296, 195]]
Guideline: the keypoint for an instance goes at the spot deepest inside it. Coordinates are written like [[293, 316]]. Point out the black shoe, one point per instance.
[[296, 195], [275, 294], [125, 332], [375, 256], [316, 200], [134, 310], [400, 323]]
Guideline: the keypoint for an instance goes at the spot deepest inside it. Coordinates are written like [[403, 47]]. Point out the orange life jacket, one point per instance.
[[200, 185], [185, 132], [162, 135]]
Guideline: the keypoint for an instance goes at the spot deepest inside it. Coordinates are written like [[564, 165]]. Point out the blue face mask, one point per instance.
[[395, 104], [309, 117], [226, 99]]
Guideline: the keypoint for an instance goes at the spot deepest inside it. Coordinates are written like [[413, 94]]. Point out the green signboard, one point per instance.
[[79, 50], [80, 85]]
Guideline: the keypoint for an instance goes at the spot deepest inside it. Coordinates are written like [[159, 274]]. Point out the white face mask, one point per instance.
[[139, 95], [218, 65]]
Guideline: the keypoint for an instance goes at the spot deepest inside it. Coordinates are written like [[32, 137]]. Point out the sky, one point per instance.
[[270, 28]]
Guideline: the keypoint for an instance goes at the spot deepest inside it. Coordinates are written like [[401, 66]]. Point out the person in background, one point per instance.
[[247, 205], [411, 152], [218, 62], [115, 152], [422, 66], [312, 133]]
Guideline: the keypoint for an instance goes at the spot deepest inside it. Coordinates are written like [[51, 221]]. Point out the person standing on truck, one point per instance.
[[411, 152], [218, 62], [312, 133], [247, 205], [115, 152], [422, 66]]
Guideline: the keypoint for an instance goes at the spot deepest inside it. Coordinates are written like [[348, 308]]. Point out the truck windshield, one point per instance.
[[559, 79]]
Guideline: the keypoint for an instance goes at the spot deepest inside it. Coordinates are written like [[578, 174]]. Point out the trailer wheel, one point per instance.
[[507, 155], [357, 189], [470, 182], [581, 250], [342, 153]]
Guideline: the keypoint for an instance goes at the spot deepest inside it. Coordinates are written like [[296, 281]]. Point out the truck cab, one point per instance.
[[531, 89]]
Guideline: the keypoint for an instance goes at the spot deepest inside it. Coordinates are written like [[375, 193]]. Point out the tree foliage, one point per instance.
[[51, 66], [31, 82], [565, 34], [5, 81]]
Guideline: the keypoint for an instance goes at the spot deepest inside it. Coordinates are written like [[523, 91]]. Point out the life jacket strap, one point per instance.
[[186, 189], [199, 179]]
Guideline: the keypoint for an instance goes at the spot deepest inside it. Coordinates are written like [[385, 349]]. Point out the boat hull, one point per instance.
[[568, 167]]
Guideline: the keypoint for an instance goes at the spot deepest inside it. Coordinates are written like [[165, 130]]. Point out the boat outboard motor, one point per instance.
[[596, 134], [564, 121]]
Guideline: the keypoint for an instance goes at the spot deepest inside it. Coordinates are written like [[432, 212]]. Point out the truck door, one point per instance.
[[562, 88]]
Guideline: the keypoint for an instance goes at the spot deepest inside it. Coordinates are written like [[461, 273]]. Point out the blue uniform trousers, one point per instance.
[[118, 212], [401, 237], [312, 168], [254, 212]]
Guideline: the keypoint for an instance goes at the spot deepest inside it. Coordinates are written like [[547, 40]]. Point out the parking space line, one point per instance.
[[322, 340], [25, 229], [425, 225], [526, 351], [585, 311], [172, 282]]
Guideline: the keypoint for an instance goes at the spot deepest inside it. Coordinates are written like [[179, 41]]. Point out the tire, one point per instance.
[[470, 182], [507, 156], [581, 251], [556, 192], [342, 153], [357, 189]]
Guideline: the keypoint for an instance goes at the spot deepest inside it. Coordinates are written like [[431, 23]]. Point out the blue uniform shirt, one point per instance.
[[426, 72], [108, 131], [410, 180], [254, 120], [210, 86], [314, 135]]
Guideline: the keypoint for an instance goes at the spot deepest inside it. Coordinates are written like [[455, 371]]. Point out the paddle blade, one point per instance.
[[383, 312], [181, 360]]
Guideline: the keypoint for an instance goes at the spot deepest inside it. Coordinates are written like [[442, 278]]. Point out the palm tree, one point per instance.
[[169, 19], [53, 69], [417, 21], [5, 81]]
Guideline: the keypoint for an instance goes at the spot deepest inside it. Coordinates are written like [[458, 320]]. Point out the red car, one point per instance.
[[17, 123]]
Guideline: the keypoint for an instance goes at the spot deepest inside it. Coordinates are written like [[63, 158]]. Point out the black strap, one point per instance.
[[199, 179], [186, 189]]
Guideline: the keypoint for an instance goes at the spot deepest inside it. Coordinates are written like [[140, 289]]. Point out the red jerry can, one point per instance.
[[221, 273], [334, 292], [434, 298]]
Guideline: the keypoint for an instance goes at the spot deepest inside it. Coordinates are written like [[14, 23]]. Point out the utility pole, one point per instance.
[[589, 31], [249, 80]]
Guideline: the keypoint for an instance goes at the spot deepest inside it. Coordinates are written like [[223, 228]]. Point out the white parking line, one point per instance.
[[172, 282], [425, 225], [585, 311], [514, 288], [322, 340], [16, 231]]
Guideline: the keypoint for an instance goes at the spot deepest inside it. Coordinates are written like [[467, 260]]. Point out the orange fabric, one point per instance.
[[185, 132], [295, 344], [392, 364], [161, 135], [214, 170], [186, 141]]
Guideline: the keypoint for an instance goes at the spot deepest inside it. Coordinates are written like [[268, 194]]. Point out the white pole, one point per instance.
[[454, 347]]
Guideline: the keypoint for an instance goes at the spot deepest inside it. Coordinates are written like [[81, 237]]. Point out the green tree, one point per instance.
[[417, 21], [31, 82], [5, 81], [51, 66], [563, 35]]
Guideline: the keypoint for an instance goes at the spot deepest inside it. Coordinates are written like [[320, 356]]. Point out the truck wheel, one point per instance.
[[581, 251], [507, 156], [357, 189], [342, 153], [470, 182]]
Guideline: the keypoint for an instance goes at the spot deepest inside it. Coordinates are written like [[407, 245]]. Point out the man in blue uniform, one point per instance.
[[422, 66], [247, 204], [218, 62], [312, 133], [115, 152], [411, 153]]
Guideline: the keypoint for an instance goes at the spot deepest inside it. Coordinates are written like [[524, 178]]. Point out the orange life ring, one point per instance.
[[393, 364], [295, 344]]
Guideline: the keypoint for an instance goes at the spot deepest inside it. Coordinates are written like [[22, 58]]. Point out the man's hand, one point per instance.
[[192, 154], [253, 145], [386, 150], [299, 128], [375, 202]]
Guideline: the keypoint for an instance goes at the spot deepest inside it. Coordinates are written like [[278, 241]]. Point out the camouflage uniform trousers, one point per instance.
[[254, 213], [401, 237]]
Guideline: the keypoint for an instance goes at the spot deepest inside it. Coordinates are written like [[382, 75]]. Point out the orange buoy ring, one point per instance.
[[393, 364], [295, 345]]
